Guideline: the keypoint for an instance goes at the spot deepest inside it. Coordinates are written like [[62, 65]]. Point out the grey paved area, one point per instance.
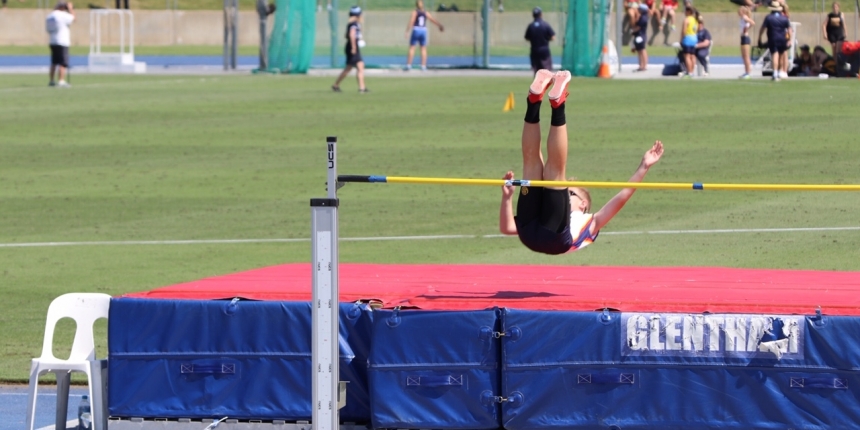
[[13, 405], [718, 71]]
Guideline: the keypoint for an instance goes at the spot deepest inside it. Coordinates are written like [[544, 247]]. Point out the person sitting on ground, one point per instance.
[[802, 63], [703, 45], [822, 62], [556, 220]]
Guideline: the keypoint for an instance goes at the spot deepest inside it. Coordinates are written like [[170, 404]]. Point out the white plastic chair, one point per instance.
[[85, 309]]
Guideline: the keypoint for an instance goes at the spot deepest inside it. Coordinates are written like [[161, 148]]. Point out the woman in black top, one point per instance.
[[834, 29], [352, 50]]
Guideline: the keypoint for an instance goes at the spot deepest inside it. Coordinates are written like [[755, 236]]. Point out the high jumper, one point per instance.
[[556, 220]]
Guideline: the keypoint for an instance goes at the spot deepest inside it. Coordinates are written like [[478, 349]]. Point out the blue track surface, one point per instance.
[[13, 405]]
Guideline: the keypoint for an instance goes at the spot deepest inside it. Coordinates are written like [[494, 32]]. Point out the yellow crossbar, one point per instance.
[[638, 185]]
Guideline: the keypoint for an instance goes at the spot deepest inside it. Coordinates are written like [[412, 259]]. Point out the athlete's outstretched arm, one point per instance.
[[507, 225], [438, 24], [602, 217]]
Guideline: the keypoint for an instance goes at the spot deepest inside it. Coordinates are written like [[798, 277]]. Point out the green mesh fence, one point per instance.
[[291, 47], [584, 36]]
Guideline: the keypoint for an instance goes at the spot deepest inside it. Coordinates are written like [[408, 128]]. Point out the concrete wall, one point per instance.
[[161, 28]]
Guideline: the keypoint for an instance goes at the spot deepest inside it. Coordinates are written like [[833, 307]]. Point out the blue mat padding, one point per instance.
[[488, 369]]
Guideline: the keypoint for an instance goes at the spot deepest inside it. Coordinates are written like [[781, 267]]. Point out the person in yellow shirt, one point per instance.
[[689, 39]]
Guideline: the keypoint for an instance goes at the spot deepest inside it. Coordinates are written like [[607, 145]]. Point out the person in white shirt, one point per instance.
[[57, 24]]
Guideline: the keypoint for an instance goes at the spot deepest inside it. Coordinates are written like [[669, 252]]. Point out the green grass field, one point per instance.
[[155, 158]]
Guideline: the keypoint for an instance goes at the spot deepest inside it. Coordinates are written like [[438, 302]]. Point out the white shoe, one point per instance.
[[63, 84], [501, 8]]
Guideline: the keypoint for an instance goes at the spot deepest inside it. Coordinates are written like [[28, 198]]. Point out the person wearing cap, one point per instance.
[[539, 34], [778, 30], [352, 50], [639, 32], [417, 25], [57, 25], [556, 220]]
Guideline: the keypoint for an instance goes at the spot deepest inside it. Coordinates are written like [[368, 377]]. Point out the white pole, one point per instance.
[[324, 261]]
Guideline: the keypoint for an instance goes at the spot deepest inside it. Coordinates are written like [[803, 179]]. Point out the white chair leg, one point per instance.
[[64, 380], [31, 396]]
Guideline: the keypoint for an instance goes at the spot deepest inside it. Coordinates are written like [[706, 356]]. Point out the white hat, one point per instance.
[[354, 11]]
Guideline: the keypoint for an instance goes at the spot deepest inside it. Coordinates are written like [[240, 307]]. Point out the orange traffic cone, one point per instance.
[[603, 71]]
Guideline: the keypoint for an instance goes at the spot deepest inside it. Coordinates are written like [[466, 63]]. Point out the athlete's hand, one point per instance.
[[652, 156], [508, 191]]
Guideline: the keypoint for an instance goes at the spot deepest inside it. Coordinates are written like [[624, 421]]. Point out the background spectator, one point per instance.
[[353, 51], [667, 14], [822, 62], [746, 21], [703, 45], [57, 24], [417, 25], [803, 63], [778, 34], [264, 10], [689, 40], [539, 33], [639, 31], [834, 29]]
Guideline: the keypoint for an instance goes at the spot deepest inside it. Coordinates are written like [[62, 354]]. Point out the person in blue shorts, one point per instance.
[[689, 39], [778, 29], [553, 220], [416, 31]]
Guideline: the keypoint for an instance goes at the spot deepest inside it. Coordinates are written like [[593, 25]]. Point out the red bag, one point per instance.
[[850, 48]]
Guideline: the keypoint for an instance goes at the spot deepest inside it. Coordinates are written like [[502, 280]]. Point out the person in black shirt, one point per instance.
[[539, 33], [352, 50], [703, 46], [834, 29], [778, 36], [639, 31]]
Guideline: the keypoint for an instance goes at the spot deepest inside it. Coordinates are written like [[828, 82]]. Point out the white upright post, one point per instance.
[[325, 353]]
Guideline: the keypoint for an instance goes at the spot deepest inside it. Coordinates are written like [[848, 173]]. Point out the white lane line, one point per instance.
[[384, 238]]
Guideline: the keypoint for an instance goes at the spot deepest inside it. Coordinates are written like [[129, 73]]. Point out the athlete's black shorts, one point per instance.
[[59, 55], [352, 59], [745, 40], [543, 219]]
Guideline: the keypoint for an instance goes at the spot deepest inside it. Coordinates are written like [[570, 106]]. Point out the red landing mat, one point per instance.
[[571, 288]]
